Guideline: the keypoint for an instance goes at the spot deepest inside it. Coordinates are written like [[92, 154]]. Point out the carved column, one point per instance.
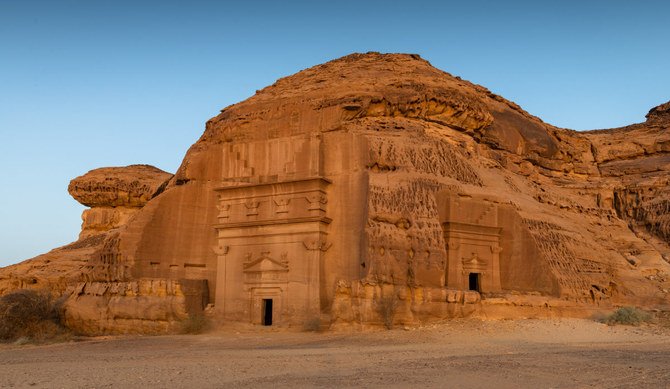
[[221, 252]]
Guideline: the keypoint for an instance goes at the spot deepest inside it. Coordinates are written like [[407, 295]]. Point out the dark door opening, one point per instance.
[[267, 312], [473, 281]]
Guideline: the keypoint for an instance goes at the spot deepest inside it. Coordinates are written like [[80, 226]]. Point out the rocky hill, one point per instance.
[[371, 189]]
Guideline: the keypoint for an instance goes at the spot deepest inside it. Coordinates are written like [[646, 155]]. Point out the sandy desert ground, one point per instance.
[[560, 353]]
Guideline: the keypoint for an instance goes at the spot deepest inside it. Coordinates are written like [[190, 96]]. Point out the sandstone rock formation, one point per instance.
[[115, 194], [377, 189]]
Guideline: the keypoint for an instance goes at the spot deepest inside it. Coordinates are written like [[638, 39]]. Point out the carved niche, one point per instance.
[[472, 237]]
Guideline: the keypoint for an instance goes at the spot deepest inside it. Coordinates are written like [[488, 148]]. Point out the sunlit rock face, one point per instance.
[[115, 194], [374, 189]]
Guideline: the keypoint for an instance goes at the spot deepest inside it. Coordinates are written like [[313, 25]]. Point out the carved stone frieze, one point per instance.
[[281, 204], [317, 201], [224, 210], [317, 244], [252, 207]]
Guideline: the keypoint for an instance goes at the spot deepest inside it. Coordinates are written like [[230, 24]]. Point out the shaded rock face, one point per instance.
[[376, 189]]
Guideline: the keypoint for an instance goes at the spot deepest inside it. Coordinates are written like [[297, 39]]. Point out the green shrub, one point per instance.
[[628, 316], [194, 324], [29, 315]]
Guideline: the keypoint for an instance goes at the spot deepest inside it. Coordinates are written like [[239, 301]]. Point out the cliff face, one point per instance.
[[376, 180]]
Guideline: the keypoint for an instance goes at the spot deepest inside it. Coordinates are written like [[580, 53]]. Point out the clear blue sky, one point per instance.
[[86, 84]]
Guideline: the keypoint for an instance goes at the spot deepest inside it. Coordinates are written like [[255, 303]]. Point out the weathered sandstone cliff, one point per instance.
[[372, 189]]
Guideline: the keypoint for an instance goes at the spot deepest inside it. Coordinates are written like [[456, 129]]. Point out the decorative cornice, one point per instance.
[[254, 223]]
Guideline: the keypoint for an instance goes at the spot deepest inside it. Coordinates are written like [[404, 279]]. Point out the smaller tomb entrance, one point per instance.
[[473, 281], [266, 313]]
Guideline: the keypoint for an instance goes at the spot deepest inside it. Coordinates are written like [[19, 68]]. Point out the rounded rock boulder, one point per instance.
[[129, 186]]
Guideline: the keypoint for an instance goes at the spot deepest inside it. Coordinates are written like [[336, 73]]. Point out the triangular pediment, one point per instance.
[[474, 262], [265, 264]]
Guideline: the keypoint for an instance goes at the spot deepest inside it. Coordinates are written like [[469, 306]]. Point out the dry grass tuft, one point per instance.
[[194, 324], [312, 325], [387, 306], [29, 316]]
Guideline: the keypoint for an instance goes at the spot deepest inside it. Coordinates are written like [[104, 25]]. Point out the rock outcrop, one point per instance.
[[115, 194], [134, 307], [376, 189], [659, 115], [130, 186]]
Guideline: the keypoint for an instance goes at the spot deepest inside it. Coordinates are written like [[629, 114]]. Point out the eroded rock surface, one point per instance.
[[133, 307], [115, 194], [375, 189], [130, 186], [660, 114]]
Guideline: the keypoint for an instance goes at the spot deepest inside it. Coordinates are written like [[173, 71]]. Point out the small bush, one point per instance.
[[312, 325], [194, 324], [628, 316], [387, 306], [30, 315]]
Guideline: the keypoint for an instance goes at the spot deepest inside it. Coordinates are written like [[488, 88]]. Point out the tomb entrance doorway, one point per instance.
[[473, 281], [266, 313]]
